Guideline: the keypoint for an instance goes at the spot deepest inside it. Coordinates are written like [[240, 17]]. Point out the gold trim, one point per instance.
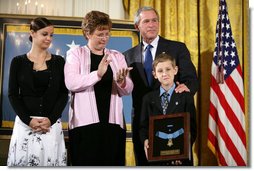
[[130, 34], [7, 124], [74, 30], [5, 137]]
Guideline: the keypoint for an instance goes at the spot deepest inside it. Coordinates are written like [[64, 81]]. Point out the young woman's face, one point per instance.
[[43, 37], [165, 73], [99, 39]]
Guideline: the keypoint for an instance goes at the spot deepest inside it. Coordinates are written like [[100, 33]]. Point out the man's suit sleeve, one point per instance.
[[187, 71], [190, 107], [144, 119]]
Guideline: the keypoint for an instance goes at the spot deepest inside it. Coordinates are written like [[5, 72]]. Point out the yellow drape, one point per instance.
[[194, 22]]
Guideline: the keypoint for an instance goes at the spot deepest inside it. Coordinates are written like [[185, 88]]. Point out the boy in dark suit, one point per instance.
[[154, 103]]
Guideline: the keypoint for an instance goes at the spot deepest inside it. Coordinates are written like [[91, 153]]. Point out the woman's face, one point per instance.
[[98, 39], [43, 37]]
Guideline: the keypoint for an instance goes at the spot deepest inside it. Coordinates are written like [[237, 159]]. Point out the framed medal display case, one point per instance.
[[169, 137]]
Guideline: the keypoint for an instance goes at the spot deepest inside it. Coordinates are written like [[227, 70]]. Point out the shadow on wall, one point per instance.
[[206, 157]]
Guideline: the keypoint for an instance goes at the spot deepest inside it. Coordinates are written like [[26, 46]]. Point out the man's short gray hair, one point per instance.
[[145, 8]]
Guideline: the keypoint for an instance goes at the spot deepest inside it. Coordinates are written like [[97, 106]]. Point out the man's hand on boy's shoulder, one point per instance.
[[181, 88]]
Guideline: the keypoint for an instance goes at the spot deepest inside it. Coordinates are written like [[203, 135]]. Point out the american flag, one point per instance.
[[226, 129]]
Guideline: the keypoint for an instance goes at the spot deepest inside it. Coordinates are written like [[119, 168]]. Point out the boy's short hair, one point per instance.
[[162, 58]]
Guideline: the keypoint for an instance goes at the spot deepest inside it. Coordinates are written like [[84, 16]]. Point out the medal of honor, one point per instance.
[[170, 142]]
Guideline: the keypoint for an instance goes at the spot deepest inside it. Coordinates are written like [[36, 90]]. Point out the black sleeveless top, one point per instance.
[[102, 89]]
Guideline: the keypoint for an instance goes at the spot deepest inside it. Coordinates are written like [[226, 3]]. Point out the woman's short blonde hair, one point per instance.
[[95, 20]]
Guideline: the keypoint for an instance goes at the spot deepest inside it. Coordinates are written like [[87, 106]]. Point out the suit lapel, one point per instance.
[[158, 101], [161, 47], [141, 72], [139, 64]]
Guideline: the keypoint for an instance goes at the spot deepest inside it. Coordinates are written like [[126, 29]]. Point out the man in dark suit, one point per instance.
[[147, 22]]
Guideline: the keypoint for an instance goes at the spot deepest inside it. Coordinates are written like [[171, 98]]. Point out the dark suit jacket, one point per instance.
[[179, 102], [186, 74]]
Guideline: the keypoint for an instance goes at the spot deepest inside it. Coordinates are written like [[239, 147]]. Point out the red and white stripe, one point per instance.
[[226, 129]]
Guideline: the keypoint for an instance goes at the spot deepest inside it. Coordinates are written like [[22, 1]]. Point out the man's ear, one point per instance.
[[154, 75], [176, 70], [136, 27]]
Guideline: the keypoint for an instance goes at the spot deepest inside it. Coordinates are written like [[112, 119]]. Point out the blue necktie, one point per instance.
[[165, 102], [148, 64]]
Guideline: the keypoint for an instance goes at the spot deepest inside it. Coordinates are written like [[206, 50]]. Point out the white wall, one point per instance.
[[75, 8]]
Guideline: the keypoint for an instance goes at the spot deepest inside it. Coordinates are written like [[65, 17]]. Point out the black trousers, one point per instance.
[[140, 157], [97, 145]]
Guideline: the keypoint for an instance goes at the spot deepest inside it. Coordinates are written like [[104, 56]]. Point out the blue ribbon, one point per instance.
[[164, 135]]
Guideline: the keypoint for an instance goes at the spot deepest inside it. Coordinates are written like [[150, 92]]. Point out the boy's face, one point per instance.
[[165, 73]]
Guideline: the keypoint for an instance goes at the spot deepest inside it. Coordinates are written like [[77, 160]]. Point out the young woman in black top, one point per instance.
[[38, 95]]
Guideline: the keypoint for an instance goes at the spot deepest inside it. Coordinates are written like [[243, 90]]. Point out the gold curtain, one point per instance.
[[194, 22]]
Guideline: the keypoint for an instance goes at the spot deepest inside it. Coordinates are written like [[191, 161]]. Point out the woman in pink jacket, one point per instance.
[[97, 78]]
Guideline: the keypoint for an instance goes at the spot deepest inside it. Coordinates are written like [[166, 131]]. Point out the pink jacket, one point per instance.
[[79, 80]]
